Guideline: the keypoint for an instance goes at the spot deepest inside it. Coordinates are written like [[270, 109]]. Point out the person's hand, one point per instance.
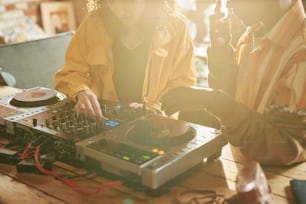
[[224, 30], [219, 27], [136, 105], [88, 104], [183, 99], [146, 110], [236, 25], [221, 53]]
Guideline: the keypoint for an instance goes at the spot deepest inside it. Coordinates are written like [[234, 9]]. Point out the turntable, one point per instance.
[[26, 103], [160, 132], [38, 96], [152, 150]]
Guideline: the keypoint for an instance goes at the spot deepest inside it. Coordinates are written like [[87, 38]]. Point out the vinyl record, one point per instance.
[[161, 132], [35, 97]]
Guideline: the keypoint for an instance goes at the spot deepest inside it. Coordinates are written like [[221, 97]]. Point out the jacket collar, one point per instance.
[[279, 34]]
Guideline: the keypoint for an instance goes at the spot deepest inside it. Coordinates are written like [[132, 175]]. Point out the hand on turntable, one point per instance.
[[146, 110], [184, 99], [88, 104], [136, 105]]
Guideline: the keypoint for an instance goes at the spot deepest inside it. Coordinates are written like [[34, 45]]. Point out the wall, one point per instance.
[[14, 11], [20, 20]]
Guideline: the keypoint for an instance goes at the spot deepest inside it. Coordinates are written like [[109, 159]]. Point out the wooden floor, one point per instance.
[[219, 175]]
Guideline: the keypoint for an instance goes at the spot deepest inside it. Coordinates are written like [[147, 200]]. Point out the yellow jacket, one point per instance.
[[89, 64]]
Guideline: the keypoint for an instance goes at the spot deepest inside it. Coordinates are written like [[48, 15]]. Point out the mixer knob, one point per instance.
[[54, 124], [34, 122], [79, 127], [85, 123], [100, 125], [47, 122], [74, 114], [64, 125], [66, 118], [72, 128], [62, 120], [87, 130], [93, 127]]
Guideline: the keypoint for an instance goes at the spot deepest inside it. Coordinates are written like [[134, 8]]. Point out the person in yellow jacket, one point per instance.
[[126, 51]]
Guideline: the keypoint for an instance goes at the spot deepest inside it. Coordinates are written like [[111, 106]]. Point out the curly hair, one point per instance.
[[94, 5], [156, 15]]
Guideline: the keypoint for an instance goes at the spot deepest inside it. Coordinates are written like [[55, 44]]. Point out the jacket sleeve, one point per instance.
[[74, 76], [276, 137], [183, 70]]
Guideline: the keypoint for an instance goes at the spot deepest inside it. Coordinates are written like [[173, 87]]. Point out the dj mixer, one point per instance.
[[132, 144]]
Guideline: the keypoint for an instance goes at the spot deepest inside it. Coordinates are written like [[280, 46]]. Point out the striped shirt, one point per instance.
[[268, 124], [273, 69]]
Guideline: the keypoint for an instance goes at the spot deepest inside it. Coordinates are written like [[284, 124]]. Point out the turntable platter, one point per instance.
[[160, 131], [35, 95]]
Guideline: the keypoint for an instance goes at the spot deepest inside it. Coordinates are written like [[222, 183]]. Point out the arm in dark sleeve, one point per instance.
[[276, 137], [222, 68]]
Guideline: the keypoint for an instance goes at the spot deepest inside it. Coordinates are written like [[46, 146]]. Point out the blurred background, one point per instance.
[[26, 20]]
